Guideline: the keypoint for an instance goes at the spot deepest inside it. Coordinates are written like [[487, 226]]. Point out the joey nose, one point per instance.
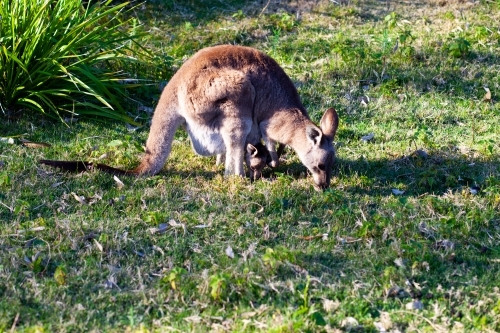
[[255, 174]]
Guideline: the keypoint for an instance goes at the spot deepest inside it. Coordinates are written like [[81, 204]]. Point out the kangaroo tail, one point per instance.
[[81, 166]]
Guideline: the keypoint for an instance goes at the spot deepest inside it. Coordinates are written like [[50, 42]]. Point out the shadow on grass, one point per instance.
[[200, 12], [459, 80], [421, 172], [455, 269]]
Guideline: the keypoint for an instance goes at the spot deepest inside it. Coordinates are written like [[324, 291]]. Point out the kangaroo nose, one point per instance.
[[321, 187]]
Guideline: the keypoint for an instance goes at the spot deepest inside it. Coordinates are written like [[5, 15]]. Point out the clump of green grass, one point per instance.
[[55, 58]]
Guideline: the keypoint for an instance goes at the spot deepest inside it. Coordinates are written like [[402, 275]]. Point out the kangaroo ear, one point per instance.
[[314, 135], [252, 150], [329, 123]]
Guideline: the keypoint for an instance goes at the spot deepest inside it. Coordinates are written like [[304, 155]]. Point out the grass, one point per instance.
[[55, 59], [190, 250]]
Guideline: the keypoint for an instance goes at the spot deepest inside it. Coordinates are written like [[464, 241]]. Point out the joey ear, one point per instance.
[[252, 150], [329, 123], [314, 135]]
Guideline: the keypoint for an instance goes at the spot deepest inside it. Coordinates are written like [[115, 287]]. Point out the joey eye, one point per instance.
[[321, 167]]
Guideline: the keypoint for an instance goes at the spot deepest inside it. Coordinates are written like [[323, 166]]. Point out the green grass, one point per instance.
[[153, 255], [57, 60]]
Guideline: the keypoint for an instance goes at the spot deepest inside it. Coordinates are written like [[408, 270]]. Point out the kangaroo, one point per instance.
[[227, 96]]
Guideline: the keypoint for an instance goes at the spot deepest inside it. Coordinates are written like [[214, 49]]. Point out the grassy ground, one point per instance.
[[189, 250]]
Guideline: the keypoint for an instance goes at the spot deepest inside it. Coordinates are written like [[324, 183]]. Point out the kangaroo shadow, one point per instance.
[[420, 172]]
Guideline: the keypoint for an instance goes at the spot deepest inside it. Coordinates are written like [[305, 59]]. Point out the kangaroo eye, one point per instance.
[[321, 167]]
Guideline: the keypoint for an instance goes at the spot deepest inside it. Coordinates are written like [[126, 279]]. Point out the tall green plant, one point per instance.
[[56, 57]]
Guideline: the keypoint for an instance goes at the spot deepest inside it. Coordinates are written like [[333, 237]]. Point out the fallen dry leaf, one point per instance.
[[415, 305], [425, 265], [349, 323], [367, 137], [202, 226], [399, 262], [158, 249], [248, 253], [161, 228], [329, 305], [425, 230], [31, 144], [95, 198], [99, 246], [364, 100], [7, 140], [174, 224], [119, 183], [487, 96], [385, 320], [348, 240], [229, 252], [378, 325], [308, 238], [248, 314], [80, 199], [474, 190], [396, 292], [131, 128], [193, 319], [445, 244], [395, 191]]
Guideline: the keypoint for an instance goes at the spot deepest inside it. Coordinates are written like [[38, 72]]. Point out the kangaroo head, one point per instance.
[[319, 158], [256, 157]]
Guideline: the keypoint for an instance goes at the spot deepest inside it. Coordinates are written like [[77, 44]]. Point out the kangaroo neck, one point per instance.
[[289, 127]]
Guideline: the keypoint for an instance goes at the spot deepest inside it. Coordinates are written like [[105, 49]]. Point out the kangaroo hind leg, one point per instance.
[[234, 132], [237, 126]]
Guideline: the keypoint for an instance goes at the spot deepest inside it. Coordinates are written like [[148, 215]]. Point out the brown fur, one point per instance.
[[228, 96]]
